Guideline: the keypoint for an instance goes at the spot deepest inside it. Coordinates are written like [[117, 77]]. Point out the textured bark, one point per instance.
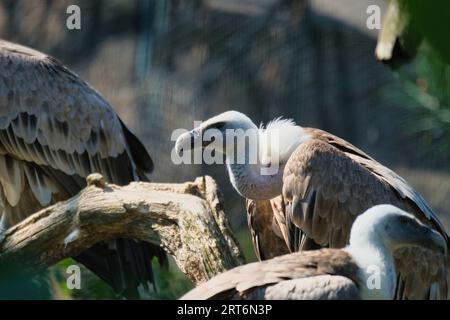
[[187, 220]]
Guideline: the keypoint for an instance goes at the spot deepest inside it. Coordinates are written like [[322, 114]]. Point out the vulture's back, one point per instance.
[[55, 130]]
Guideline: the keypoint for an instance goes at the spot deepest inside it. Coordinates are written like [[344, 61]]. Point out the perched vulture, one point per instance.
[[322, 185], [329, 274], [55, 130]]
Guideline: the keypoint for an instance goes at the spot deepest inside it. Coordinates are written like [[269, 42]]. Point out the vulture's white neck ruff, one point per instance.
[[276, 142]]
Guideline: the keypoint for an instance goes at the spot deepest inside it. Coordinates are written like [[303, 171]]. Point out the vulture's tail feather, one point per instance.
[[124, 264], [138, 152]]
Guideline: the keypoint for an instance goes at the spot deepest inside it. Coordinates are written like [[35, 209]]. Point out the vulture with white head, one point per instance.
[[364, 269], [323, 183], [55, 130]]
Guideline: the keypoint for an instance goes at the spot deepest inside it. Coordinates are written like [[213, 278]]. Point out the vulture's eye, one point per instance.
[[403, 220], [218, 125], [215, 126]]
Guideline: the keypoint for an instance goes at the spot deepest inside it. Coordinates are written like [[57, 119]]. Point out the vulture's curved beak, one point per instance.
[[184, 142], [191, 140]]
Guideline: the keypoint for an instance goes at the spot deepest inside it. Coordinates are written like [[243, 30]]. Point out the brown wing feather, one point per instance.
[[268, 240], [328, 182], [244, 282], [323, 287], [55, 130], [403, 189]]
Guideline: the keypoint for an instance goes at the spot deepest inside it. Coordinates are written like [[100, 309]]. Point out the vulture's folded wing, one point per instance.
[[55, 130], [328, 184], [267, 237], [245, 282], [323, 287]]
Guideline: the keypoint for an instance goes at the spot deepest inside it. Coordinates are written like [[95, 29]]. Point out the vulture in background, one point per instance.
[[322, 185], [331, 274], [55, 130]]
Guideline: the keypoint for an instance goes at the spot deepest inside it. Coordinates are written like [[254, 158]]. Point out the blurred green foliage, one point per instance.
[[245, 242], [169, 284], [431, 20], [426, 97], [92, 287], [425, 91], [16, 284]]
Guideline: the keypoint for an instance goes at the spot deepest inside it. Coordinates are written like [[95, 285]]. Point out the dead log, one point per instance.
[[187, 220]]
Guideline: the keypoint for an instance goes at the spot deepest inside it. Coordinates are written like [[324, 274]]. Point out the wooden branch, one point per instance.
[[187, 220]]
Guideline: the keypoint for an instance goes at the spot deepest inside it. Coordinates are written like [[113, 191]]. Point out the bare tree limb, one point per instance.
[[187, 220]]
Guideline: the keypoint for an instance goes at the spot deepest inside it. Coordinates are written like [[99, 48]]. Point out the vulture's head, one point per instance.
[[395, 228], [255, 156], [207, 132], [280, 137]]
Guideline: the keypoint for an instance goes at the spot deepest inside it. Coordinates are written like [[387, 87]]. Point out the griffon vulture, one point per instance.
[[322, 184], [364, 269], [55, 130]]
